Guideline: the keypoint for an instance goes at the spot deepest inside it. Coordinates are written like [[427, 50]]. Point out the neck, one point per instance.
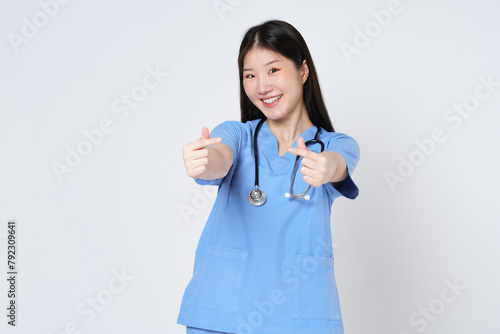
[[288, 129]]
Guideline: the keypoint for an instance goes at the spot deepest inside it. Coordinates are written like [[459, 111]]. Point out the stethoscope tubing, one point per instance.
[[257, 197], [255, 152]]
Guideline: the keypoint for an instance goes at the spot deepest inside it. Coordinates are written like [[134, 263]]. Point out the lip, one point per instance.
[[270, 105]]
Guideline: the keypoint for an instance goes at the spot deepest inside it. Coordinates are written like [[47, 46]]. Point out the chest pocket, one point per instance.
[[218, 283]]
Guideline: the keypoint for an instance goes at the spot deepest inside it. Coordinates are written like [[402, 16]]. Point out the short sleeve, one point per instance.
[[348, 148], [230, 133]]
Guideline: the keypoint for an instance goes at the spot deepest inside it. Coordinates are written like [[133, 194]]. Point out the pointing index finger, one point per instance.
[[304, 152], [202, 143]]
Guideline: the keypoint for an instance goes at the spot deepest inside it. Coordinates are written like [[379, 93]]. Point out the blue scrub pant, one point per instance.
[[193, 330]]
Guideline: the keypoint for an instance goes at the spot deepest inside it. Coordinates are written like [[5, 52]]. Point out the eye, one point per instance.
[[273, 70], [249, 76]]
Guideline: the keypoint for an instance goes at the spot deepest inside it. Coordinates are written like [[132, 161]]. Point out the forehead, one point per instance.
[[260, 57]]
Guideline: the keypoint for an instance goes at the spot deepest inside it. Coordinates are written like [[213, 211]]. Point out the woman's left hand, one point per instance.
[[319, 168]]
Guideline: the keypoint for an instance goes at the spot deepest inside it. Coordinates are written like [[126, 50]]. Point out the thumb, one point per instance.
[[204, 133], [301, 143]]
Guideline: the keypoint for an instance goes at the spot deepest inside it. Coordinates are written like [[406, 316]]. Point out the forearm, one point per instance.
[[218, 164], [341, 171]]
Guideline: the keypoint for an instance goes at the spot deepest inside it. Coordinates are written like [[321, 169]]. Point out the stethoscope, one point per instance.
[[257, 197]]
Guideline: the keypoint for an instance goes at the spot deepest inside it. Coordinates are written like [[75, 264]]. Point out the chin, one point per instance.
[[275, 116]]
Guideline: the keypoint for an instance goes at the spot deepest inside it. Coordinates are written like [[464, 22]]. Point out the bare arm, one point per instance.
[[341, 171], [220, 160]]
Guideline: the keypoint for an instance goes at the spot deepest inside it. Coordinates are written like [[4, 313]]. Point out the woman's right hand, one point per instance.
[[196, 154]]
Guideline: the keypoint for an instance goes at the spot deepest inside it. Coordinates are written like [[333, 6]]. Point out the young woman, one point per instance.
[[264, 261]]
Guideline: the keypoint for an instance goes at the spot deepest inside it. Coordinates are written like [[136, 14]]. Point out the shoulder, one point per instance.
[[237, 127], [331, 138], [341, 143]]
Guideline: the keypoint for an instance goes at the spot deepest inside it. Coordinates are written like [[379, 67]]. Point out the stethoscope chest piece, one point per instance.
[[257, 197]]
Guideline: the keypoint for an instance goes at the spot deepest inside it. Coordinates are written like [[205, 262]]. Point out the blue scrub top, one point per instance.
[[268, 269]]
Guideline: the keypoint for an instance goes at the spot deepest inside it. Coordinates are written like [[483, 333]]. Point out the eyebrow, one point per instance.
[[272, 61]]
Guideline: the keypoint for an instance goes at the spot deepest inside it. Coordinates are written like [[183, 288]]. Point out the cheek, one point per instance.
[[286, 83], [247, 87], [294, 85]]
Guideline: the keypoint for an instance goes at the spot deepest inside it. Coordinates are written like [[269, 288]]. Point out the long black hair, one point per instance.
[[282, 37]]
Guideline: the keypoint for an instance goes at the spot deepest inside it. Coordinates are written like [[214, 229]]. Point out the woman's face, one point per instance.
[[273, 83]]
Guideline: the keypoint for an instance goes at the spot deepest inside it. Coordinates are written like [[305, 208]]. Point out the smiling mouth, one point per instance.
[[272, 99]]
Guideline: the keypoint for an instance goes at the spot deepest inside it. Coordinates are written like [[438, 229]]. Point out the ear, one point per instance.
[[304, 71]]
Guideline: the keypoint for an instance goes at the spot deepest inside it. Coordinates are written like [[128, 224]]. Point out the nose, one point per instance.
[[264, 85]]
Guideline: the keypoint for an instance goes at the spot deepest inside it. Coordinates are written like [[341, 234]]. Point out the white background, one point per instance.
[[129, 206]]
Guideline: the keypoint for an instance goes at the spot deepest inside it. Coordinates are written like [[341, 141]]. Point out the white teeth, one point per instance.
[[272, 99]]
